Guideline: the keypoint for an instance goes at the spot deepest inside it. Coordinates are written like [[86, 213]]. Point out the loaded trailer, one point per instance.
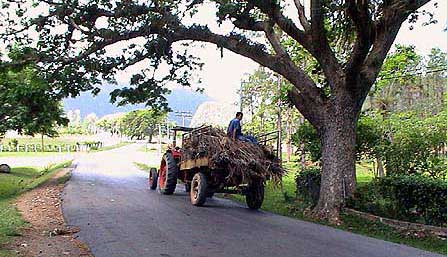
[[201, 179]]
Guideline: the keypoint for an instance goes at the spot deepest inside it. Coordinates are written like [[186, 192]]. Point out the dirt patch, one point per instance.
[[47, 235]]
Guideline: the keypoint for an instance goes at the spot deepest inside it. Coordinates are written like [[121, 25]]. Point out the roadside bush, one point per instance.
[[368, 143], [307, 183], [412, 198], [13, 143], [405, 142]]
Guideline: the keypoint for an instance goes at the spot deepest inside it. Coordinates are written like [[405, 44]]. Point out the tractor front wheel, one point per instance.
[[198, 189], [255, 194], [153, 177]]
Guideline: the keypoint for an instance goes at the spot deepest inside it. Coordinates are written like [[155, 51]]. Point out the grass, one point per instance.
[[111, 147], [381, 231], [283, 201], [11, 185], [29, 154], [46, 140], [142, 166], [145, 149]]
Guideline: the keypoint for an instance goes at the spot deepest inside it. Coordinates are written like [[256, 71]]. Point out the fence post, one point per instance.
[[18, 148], [1, 148]]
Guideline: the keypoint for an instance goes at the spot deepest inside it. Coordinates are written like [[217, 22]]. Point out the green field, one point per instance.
[[18, 181], [30, 154]]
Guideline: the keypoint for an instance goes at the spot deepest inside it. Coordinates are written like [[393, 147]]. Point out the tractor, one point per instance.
[[201, 181]]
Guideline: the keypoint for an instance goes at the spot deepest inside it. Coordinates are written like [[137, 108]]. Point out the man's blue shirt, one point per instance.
[[235, 124]]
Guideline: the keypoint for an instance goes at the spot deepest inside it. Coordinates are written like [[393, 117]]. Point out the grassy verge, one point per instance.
[[111, 147], [142, 166], [30, 154], [283, 201], [11, 185]]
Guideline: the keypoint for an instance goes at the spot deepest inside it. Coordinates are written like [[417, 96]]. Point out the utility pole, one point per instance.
[[241, 96], [168, 128], [159, 140], [279, 122], [184, 115]]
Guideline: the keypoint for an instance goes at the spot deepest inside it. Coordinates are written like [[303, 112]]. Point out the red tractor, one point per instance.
[[200, 180]]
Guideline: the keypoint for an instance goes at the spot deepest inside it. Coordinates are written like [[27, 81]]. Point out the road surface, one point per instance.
[[108, 199]]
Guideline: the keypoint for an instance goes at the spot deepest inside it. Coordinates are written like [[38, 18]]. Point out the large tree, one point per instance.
[[349, 39]]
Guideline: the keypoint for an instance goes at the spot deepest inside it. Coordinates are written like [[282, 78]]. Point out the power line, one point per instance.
[[416, 69], [413, 74], [184, 115]]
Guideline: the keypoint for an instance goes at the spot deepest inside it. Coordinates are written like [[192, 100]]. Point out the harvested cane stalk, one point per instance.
[[244, 161]]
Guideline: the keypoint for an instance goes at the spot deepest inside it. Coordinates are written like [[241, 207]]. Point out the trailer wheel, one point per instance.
[[153, 177], [198, 189], [167, 176], [255, 194]]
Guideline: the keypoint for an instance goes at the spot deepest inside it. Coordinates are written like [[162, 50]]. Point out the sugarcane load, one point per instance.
[[211, 160]]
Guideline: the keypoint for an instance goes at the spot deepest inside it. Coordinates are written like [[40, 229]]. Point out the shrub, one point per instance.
[[308, 184], [412, 198], [13, 143]]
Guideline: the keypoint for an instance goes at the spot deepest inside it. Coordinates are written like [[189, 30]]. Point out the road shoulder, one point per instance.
[[47, 234]]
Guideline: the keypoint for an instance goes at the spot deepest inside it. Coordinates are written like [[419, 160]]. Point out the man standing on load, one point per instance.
[[234, 130]]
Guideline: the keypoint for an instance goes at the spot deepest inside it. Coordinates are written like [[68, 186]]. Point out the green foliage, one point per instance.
[[27, 101], [410, 82], [307, 183], [415, 145], [141, 123], [411, 198], [263, 98], [307, 136], [406, 142]]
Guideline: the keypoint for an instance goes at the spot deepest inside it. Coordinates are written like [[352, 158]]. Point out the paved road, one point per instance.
[[108, 199]]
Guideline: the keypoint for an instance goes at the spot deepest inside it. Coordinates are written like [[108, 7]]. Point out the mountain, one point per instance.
[[179, 100]]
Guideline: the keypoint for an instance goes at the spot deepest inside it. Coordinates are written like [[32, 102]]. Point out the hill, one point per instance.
[[179, 100]]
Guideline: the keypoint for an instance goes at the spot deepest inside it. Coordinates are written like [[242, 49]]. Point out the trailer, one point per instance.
[[200, 179]]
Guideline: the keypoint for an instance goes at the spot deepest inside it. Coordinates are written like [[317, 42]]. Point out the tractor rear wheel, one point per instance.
[[167, 176], [153, 177], [255, 194], [198, 189]]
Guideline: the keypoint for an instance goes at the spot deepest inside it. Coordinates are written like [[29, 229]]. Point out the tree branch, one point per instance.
[[256, 52], [321, 49], [302, 15], [358, 12], [386, 30]]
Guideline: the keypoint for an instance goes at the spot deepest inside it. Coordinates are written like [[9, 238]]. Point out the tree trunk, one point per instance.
[[380, 170], [337, 135], [43, 149]]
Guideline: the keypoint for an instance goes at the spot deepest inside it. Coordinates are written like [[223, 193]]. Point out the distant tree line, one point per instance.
[[138, 124]]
